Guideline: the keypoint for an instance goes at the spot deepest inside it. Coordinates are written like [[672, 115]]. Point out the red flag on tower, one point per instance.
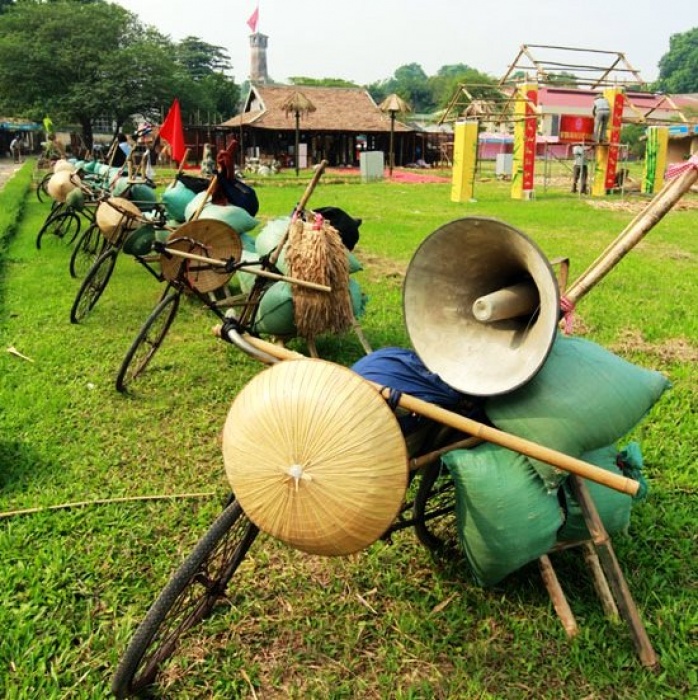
[[173, 131], [254, 18]]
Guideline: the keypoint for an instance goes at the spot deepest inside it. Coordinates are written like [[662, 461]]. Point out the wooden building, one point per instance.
[[345, 122]]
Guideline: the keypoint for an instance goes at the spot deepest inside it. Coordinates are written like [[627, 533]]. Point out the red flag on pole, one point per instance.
[[173, 131], [254, 18]]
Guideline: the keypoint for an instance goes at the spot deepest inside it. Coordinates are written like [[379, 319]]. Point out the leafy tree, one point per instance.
[[448, 79], [409, 82], [205, 85], [634, 136], [678, 68], [563, 79], [200, 59], [81, 61]]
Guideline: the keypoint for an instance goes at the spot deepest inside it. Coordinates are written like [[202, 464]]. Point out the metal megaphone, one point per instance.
[[481, 305]]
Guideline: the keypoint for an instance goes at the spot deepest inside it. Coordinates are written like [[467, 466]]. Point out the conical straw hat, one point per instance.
[[61, 184], [316, 457], [208, 238], [116, 215], [63, 164]]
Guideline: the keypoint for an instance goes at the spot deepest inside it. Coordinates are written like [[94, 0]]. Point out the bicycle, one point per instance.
[[199, 258], [201, 581], [115, 219]]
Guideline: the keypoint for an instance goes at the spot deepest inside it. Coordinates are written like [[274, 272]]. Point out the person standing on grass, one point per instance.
[[121, 151], [602, 112], [580, 169], [16, 149]]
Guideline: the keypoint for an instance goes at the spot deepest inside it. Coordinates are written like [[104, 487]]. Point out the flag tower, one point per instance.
[[258, 46]]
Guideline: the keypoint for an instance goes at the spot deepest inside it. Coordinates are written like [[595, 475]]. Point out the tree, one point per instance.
[[79, 61], [200, 59], [205, 86], [411, 83], [678, 68], [448, 79]]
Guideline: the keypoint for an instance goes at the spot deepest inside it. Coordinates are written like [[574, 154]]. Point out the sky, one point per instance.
[[364, 41]]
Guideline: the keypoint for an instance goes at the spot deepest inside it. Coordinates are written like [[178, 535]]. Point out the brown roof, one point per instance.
[[336, 109]]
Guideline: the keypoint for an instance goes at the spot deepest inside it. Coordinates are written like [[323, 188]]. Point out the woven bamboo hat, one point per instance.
[[115, 216], [207, 238], [61, 184], [316, 457], [63, 164]]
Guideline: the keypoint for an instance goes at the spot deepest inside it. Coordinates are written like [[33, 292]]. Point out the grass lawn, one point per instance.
[[386, 623]]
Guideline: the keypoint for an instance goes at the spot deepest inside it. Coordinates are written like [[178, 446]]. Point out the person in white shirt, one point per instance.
[[602, 113], [580, 169]]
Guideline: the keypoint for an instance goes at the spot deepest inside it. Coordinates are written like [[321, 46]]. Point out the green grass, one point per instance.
[[386, 623]]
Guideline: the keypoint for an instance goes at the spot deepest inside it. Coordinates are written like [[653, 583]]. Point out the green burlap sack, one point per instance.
[[142, 196], [236, 217], [358, 299], [140, 241], [583, 398], [275, 313], [176, 198], [505, 515], [269, 237], [245, 280], [274, 231], [613, 507]]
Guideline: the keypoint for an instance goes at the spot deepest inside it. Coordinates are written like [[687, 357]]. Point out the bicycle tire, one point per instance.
[[435, 510], [88, 248], [93, 285], [147, 342], [42, 188], [63, 225], [182, 603]]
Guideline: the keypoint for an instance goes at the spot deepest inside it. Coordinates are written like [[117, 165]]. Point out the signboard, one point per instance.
[[574, 129]]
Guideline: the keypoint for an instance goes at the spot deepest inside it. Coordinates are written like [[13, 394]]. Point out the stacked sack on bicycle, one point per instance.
[[512, 509], [281, 306]]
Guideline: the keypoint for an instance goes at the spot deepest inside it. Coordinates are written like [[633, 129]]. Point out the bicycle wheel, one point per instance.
[[42, 188], [435, 509], [93, 285], [62, 225], [189, 597], [147, 341], [88, 248]]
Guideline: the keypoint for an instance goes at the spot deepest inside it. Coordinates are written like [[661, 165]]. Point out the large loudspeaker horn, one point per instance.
[[481, 305]]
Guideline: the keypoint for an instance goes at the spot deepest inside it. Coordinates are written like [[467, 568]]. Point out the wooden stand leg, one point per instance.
[[557, 596], [312, 348], [362, 338], [614, 574], [600, 582]]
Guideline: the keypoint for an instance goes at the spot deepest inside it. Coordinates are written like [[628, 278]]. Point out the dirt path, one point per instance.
[[7, 170]]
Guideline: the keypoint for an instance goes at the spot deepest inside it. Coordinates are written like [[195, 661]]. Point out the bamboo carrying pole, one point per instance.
[[209, 193], [260, 273], [520, 300], [478, 430], [180, 168], [633, 233]]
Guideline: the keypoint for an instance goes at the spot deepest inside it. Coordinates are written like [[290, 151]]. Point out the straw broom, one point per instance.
[[315, 253]]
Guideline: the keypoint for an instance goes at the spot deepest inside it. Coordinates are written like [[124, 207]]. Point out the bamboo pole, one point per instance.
[[633, 233], [214, 262], [478, 430]]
